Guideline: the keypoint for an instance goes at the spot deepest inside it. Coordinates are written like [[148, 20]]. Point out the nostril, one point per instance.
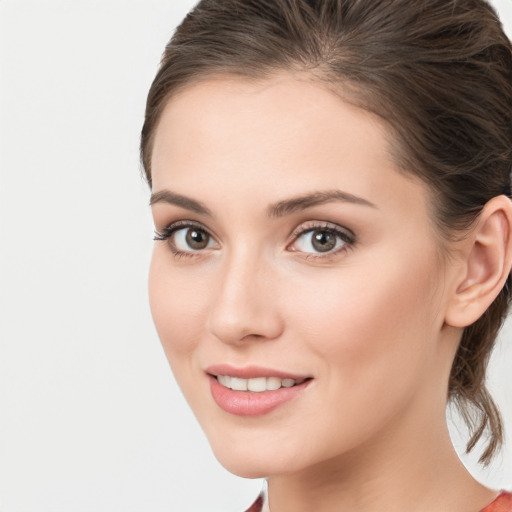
[[243, 325]]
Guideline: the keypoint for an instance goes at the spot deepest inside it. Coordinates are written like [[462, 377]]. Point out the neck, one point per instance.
[[419, 472]]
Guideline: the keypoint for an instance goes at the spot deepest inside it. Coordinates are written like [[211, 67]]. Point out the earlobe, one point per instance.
[[487, 263]]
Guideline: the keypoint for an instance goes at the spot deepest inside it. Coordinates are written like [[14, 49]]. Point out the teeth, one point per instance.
[[257, 384], [288, 383], [238, 384], [273, 383], [224, 380]]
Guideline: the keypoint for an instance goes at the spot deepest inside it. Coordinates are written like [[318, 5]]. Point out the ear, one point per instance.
[[486, 264]]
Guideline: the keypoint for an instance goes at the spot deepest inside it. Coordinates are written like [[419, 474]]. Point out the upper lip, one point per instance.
[[249, 372]]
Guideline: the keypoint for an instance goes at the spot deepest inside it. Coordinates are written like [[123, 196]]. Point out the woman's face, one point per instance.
[[298, 262]]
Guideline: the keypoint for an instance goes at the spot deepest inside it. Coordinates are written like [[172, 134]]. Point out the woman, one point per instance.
[[330, 185]]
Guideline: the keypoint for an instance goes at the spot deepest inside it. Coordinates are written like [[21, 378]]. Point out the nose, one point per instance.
[[243, 305]]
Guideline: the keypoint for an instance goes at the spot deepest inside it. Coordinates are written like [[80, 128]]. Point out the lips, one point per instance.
[[253, 391]]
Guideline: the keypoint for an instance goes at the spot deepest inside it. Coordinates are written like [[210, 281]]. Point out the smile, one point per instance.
[[254, 391], [257, 384]]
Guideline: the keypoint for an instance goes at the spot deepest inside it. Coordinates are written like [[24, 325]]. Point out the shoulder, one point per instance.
[[503, 503]]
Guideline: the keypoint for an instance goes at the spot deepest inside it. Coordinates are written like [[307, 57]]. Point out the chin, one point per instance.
[[250, 460], [263, 455], [245, 469]]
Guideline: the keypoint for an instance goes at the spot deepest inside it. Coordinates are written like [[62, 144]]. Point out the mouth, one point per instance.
[[253, 391], [257, 384]]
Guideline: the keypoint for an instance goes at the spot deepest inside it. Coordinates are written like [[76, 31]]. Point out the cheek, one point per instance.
[[176, 305], [370, 321]]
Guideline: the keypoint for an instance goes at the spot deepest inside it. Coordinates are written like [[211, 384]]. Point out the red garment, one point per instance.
[[503, 503], [258, 504]]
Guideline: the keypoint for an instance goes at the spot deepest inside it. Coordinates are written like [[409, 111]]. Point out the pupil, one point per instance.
[[197, 239], [323, 241]]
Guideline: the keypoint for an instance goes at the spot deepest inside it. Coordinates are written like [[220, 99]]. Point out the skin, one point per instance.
[[366, 321]]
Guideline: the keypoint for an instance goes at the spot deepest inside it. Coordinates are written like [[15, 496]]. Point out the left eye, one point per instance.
[[320, 241]]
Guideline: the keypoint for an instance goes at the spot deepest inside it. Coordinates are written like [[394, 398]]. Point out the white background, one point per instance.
[[90, 417]]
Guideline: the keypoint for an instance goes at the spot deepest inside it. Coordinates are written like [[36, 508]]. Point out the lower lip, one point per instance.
[[250, 403]]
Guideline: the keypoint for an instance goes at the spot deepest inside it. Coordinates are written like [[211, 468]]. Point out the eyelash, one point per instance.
[[168, 231], [347, 236]]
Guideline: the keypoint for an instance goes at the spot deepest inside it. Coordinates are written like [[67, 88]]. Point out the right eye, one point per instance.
[[184, 239], [194, 239]]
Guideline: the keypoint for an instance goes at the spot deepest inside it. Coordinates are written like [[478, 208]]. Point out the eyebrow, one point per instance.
[[300, 203], [167, 196], [279, 209]]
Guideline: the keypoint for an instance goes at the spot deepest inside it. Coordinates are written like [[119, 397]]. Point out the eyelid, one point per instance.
[[319, 225], [165, 232]]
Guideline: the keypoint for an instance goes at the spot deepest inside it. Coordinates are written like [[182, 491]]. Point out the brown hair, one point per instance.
[[439, 72]]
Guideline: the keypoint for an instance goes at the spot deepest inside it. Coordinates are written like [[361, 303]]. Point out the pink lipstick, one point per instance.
[[253, 391]]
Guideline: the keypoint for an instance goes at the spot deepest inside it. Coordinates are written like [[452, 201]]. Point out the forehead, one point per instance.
[[283, 115], [274, 138]]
